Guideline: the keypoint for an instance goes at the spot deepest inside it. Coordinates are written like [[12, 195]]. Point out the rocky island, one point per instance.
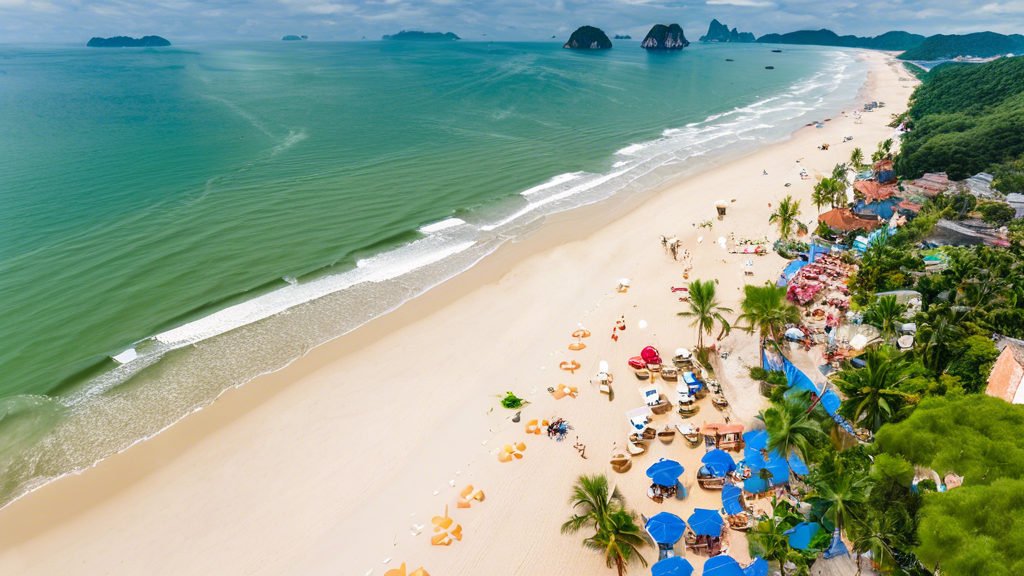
[[718, 32], [291, 38], [662, 37], [588, 38], [127, 42], [423, 36]]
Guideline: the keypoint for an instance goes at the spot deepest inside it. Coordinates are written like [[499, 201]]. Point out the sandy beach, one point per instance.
[[330, 465]]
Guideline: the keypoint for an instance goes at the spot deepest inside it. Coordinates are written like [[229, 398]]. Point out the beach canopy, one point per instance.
[[665, 528], [706, 522], [665, 472], [731, 499], [718, 462], [759, 567], [674, 566], [800, 535], [722, 565], [756, 439]]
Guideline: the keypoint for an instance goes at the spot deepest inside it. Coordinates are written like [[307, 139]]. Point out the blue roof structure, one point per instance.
[[665, 528], [674, 566]]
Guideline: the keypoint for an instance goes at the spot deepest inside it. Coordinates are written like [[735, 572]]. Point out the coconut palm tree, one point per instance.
[[766, 310], [706, 310], [840, 497], [786, 217], [823, 194], [592, 502], [790, 427], [874, 534], [873, 395], [886, 314], [857, 158], [620, 540], [839, 173], [886, 147]]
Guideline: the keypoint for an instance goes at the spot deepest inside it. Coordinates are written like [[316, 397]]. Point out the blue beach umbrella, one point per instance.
[[800, 535], [665, 528], [756, 485], [706, 522], [722, 566], [674, 566], [718, 462], [759, 567], [731, 499], [756, 439], [776, 465], [797, 465], [665, 472]]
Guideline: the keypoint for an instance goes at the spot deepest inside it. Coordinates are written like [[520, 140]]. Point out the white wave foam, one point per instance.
[[560, 179], [442, 225], [620, 164], [375, 269], [631, 149]]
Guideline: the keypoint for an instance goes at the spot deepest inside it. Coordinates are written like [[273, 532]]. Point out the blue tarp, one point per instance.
[[759, 567], [756, 439], [837, 547], [722, 566], [674, 566], [706, 522], [731, 499], [791, 269], [776, 464], [718, 462], [800, 536], [884, 208], [665, 528], [797, 465], [798, 380]]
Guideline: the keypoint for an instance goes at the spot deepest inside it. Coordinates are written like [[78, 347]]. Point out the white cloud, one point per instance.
[[212, 13], [750, 3], [1008, 8], [330, 9]]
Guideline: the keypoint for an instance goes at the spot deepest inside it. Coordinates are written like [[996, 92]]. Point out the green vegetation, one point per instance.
[[965, 120], [874, 395], [895, 40], [979, 45], [511, 401], [785, 216], [706, 310], [766, 311], [791, 428], [1009, 177], [616, 534]]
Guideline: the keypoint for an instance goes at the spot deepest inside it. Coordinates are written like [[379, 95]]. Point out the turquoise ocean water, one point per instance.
[[177, 201]]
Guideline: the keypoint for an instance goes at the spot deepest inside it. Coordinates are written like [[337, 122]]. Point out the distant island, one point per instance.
[[291, 38], [662, 37], [423, 36], [127, 42], [896, 40], [626, 37], [719, 32], [588, 38], [977, 45]]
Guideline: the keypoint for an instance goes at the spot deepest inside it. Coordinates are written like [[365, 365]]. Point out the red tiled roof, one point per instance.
[[1006, 375], [875, 192]]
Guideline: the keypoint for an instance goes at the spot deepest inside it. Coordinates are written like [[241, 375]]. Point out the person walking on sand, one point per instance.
[[664, 243]]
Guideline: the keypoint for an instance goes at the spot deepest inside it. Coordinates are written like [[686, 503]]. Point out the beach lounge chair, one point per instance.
[[533, 427], [720, 402], [621, 461], [667, 434], [636, 448], [690, 434], [469, 494]]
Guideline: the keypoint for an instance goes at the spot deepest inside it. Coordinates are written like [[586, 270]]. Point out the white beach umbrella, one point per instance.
[[642, 324], [624, 281]]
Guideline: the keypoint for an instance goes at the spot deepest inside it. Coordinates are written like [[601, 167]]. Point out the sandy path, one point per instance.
[[323, 467]]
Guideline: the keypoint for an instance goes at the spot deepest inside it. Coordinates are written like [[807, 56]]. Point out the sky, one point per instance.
[[183, 21]]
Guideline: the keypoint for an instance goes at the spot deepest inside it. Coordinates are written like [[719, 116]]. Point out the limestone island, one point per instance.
[[292, 38], [422, 36], [588, 38], [662, 37], [719, 32], [127, 42]]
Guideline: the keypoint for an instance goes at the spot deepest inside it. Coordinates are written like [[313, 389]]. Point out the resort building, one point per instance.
[[1007, 372]]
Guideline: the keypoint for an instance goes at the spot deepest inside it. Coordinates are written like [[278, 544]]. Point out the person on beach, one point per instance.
[[664, 243]]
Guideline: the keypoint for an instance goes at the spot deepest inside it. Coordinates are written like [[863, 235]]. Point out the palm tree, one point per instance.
[[824, 194], [591, 496], [886, 314], [839, 173], [620, 539], [886, 147], [872, 393], [874, 534], [857, 158], [790, 427], [877, 155], [706, 310], [786, 216], [766, 310], [840, 497]]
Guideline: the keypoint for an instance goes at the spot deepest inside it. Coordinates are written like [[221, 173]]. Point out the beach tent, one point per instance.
[[800, 536], [759, 567], [722, 566], [718, 462], [674, 566], [665, 472], [665, 528], [731, 499], [706, 522]]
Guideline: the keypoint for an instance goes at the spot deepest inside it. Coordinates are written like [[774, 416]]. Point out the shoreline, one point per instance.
[[144, 473]]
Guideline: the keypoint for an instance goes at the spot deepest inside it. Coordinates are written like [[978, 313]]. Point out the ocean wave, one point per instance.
[[560, 179], [442, 225]]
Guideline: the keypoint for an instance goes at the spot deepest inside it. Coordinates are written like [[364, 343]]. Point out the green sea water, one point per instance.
[[176, 201]]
